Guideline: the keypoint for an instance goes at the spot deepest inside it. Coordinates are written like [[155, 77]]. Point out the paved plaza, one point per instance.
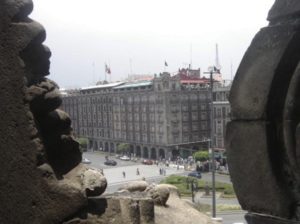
[[114, 175]]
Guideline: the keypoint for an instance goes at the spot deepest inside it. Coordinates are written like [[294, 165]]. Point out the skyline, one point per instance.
[[139, 36]]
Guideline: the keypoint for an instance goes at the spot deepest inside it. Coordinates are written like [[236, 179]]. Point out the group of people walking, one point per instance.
[[162, 171]]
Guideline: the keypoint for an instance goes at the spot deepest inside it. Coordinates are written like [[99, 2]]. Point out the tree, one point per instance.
[[201, 156], [123, 148], [83, 142]]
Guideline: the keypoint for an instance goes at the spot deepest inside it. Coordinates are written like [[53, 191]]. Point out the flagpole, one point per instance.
[[110, 74], [105, 70], [109, 71], [93, 65]]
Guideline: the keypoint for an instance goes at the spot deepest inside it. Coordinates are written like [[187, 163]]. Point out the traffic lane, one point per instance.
[[98, 159], [223, 201], [218, 177]]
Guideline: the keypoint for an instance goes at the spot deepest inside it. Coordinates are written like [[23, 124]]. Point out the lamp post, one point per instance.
[[213, 170]]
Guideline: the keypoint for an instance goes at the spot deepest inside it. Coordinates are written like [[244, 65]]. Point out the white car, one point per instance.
[[86, 161], [126, 158]]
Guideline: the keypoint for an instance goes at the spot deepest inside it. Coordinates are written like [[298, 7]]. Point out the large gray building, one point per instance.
[[161, 118]]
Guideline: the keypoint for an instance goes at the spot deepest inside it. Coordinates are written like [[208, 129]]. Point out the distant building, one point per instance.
[[221, 114], [162, 118], [134, 78]]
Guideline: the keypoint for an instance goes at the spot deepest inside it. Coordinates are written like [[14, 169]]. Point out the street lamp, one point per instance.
[[211, 71]]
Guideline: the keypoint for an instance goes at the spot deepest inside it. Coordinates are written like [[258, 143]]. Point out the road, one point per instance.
[[98, 159], [233, 217]]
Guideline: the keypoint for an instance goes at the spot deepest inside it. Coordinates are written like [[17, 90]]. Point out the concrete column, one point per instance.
[[134, 150], [157, 153]]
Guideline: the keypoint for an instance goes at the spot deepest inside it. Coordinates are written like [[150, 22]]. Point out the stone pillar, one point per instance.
[[134, 150]]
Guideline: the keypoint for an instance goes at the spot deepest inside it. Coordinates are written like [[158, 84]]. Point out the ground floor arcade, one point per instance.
[[146, 151]]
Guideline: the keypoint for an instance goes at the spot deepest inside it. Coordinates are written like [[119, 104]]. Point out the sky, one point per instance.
[[138, 36]]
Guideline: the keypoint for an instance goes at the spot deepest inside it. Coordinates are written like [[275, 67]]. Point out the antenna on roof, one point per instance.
[[93, 72], [191, 56], [217, 62], [231, 71], [130, 67]]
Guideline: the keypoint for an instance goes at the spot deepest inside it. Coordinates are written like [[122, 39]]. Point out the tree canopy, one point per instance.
[[123, 148], [201, 156]]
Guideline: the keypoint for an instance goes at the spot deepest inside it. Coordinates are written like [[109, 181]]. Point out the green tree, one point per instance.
[[201, 156], [83, 142], [123, 148]]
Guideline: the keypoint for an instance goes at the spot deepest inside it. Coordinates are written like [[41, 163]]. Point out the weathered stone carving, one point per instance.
[[41, 179], [263, 138]]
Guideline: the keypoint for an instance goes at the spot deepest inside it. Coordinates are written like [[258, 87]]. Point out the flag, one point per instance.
[[166, 64], [216, 70], [107, 69]]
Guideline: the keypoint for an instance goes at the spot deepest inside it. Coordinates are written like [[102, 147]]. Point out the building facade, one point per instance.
[[162, 118], [221, 114]]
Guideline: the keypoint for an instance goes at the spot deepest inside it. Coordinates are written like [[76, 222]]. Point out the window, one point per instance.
[[185, 107], [203, 125], [185, 127], [203, 116], [223, 112], [195, 127], [194, 116], [185, 116]]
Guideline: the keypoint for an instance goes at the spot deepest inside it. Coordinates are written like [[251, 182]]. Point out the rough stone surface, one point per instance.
[[273, 55], [179, 211], [90, 181], [252, 171], [284, 9], [159, 194], [266, 219], [35, 155], [262, 141], [135, 186], [138, 208], [117, 208], [172, 189]]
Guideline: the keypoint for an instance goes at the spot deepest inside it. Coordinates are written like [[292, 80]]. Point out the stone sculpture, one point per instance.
[[41, 178], [263, 137]]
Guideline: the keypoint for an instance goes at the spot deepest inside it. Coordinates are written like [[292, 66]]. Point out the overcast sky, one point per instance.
[[84, 35]]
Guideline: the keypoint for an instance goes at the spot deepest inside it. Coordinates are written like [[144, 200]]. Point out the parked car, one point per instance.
[[110, 162], [147, 162], [126, 158], [86, 161], [195, 174]]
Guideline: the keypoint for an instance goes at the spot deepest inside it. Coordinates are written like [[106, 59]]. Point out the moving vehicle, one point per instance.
[[86, 160], [126, 158], [195, 174], [110, 162], [147, 162]]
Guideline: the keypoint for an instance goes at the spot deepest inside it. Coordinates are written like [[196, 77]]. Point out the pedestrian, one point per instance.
[[137, 171], [124, 174], [160, 171]]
